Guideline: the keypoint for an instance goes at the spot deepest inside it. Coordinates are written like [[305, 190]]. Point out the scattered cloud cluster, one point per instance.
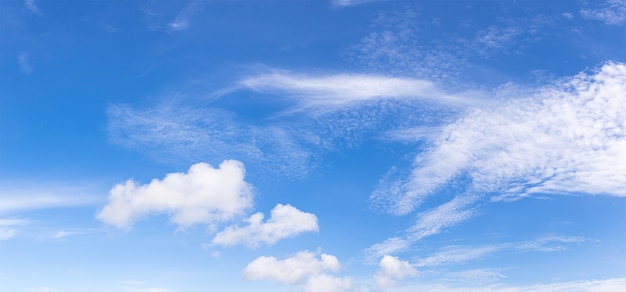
[[304, 269], [568, 138], [285, 221], [202, 195], [612, 12]]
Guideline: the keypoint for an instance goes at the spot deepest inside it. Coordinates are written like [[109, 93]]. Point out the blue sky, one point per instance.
[[345, 145]]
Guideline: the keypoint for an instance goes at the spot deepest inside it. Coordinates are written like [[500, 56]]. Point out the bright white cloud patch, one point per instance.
[[304, 270], [202, 195], [346, 89], [391, 269], [285, 221], [291, 270], [567, 138]]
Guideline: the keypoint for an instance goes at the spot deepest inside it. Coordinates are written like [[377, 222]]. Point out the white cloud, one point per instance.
[[292, 270], [413, 134], [458, 254], [285, 221], [181, 22], [7, 227], [612, 12], [605, 285], [328, 283], [23, 59], [347, 89], [391, 269], [41, 289], [451, 213], [7, 233], [202, 195], [28, 195], [32, 7], [346, 3], [567, 138], [211, 134], [389, 246], [481, 275]]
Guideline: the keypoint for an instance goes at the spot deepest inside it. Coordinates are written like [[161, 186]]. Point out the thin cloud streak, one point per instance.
[[340, 90]]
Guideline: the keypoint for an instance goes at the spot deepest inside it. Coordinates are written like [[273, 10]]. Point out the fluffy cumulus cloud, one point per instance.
[[285, 221], [202, 195], [567, 138], [304, 269], [292, 270], [391, 269]]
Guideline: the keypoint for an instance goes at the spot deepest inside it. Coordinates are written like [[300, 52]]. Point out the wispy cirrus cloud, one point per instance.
[[347, 3], [32, 7], [604, 285], [566, 138], [24, 61], [8, 227], [27, 196], [182, 20], [347, 89], [211, 134]]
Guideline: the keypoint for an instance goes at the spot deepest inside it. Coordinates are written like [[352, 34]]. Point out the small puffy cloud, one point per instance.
[[612, 12], [285, 221], [202, 195], [391, 269], [291, 270]]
